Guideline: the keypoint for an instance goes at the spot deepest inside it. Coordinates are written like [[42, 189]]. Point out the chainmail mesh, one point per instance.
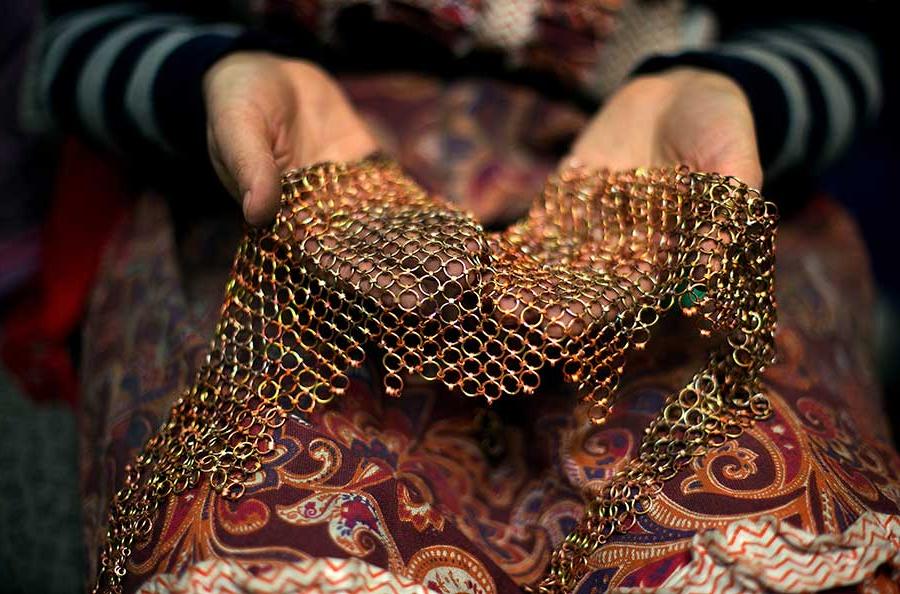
[[361, 260]]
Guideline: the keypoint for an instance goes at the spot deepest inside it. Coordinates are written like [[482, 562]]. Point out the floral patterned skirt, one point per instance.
[[380, 494]]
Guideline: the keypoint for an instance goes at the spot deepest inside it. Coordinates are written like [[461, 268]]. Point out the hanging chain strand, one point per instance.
[[361, 258]]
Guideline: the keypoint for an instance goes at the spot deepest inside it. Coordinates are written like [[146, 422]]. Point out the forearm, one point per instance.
[[129, 77]]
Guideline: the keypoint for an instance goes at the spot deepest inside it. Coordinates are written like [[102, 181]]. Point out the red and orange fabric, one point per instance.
[[376, 494]]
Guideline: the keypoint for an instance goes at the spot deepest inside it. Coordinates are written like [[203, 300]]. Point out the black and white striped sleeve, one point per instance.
[[811, 87], [129, 77]]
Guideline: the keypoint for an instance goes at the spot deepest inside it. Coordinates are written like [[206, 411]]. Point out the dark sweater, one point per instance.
[[129, 75]]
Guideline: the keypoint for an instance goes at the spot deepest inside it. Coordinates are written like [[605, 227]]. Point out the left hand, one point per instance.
[[269, 113], [691, 116]]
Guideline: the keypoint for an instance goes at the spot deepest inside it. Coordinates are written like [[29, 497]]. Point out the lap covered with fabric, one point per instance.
[[435, 491]]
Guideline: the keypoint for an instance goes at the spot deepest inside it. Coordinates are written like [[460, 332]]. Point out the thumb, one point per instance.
[[241, 149], [748, 170]]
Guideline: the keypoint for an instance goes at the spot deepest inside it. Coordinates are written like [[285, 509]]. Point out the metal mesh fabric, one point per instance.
[[361, 260]]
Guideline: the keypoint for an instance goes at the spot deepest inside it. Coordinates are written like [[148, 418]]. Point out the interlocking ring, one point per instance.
[[361, 259]]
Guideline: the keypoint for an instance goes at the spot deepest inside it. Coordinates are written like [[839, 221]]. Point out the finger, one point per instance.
[[739, 159], [747, 169], [243, 144], [332, 132]]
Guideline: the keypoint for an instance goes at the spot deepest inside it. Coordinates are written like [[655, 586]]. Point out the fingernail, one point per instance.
[[246, 198]]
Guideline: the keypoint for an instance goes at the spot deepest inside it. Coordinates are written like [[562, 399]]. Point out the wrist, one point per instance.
[[244, 71], [664, 86], [225, 64]]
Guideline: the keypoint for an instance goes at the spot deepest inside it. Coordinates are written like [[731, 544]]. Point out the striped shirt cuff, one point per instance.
[[810, 87], [132, 79]]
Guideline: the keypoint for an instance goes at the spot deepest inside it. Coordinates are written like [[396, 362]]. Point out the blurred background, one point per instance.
[[49, 251]]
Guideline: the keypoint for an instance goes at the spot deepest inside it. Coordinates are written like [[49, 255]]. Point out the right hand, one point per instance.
[[268, 114]]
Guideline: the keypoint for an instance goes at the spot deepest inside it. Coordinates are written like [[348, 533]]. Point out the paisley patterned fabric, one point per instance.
[[405, 485]]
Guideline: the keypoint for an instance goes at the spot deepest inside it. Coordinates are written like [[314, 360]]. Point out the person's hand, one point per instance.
[[268, 114], [690, 116]]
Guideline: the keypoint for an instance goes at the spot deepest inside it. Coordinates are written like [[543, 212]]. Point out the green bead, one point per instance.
[[689, 298]]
